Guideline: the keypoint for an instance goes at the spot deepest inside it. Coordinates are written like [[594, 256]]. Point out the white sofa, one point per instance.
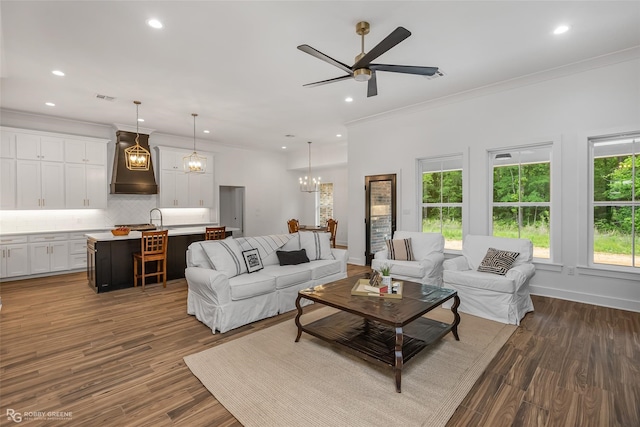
[[229, 297], [428, 253], [501, 298]]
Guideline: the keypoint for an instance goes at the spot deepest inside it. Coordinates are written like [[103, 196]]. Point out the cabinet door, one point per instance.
[[27, 146], [28, 195], [74, 151], [171, 160], [51, 149], [58, 256], [182, 189], [167, 189], [201, 190], [7, 184], [8, 145], [17, 260], [39, 258], [75, 186], [52, 185], [96, 153], [96, 184]]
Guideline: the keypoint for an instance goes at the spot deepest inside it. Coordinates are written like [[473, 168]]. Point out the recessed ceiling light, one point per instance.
[[561, 29], [206, 131], [348, 99], [49, 104], [141, 120], [284, 147], [154, 23], [58, 73], [339, 135]]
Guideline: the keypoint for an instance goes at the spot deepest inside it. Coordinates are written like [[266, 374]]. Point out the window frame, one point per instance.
[[555, 183]]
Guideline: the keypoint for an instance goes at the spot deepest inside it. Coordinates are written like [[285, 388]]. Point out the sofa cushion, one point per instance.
[[317, 245], [497, 261], [292, 257], [324, 268], [400, 249], [289, 275], [402, 268], [422, 244], [225, 256], [250, 285], [476, 279]]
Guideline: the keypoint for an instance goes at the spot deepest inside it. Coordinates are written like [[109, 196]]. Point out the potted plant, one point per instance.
[[385, 270]]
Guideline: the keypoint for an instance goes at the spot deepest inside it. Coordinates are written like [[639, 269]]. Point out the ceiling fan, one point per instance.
[[363, 70]]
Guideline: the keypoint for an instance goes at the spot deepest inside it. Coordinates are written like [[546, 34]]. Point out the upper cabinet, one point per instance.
[[179, 189], [43, 170]]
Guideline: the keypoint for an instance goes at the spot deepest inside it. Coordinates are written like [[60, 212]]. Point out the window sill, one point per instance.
[[608, 272]]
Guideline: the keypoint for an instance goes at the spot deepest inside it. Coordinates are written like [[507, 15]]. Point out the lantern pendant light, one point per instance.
[[309, 184], [137, 157], [194, 163]]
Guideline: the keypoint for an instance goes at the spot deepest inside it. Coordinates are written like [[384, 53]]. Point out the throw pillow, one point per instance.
[[497, 261], [252, 260], [225, 256], [400, 249], [317, 245], [292, 257]]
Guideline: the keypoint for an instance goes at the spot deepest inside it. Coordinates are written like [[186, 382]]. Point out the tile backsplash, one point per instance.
[[122, 209]]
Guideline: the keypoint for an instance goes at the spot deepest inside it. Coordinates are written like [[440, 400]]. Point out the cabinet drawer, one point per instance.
[[10, 240], [78, 247], [52, 237], [78, 260]]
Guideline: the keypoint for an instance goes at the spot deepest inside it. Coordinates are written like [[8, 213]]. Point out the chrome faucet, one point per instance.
[[151, 217]]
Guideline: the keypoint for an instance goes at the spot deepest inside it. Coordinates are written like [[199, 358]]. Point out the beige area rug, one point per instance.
[[266, 379]]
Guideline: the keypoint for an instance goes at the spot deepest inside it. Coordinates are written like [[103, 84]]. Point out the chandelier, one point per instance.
[[309, 184], [194, 163], [137, 157]]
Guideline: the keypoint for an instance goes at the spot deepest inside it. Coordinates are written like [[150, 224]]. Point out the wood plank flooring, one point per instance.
[[115, 359]]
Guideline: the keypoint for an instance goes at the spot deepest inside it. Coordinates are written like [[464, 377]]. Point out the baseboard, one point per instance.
[[601, 300]]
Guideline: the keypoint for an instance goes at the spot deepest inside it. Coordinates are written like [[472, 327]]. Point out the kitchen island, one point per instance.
[[110, 258]]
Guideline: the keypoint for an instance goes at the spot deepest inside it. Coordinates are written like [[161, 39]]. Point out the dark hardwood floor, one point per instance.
[[115, 359]]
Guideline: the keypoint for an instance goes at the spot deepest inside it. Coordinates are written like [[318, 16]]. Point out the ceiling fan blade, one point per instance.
[[372, 85], [313, 52], [407, 69], [324, 82], [396, 36]]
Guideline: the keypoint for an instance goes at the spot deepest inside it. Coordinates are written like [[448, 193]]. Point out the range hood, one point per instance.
[[125, 181]]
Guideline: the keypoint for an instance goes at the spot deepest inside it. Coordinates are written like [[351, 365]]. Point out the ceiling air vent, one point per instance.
[[105, 98]]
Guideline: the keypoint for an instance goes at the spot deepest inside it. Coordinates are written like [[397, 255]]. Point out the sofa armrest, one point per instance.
[[433, 261], [383, 254], [458, 263], [341, 255], [209, 283], [521, 273]]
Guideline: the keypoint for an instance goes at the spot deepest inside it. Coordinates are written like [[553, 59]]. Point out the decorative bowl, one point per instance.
[[120, 231]]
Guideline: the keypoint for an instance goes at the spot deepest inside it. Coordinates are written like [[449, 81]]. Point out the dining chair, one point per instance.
[[332, 227], [294, 225], [153, 248], [215, 233]]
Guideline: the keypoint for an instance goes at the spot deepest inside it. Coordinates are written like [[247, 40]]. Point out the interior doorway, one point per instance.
[[380, 216], [232, 208]]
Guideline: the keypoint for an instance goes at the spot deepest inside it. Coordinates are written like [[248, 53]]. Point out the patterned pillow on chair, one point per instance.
[[497, 261], [400, 249]]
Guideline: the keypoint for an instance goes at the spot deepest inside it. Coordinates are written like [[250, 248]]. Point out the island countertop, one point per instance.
[[178, 231]]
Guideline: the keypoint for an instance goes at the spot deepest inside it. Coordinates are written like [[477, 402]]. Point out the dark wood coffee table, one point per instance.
[[380, 330]]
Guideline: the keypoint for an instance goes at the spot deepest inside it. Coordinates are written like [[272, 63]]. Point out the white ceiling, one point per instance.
[[237, 66]]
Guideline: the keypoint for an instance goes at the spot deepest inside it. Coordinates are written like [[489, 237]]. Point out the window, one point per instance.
[[441, 198], [325, 203], [521, 205], [615, 200]]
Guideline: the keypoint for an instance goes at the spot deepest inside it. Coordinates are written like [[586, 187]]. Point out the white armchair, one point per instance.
[[505, 298], [428, 253]]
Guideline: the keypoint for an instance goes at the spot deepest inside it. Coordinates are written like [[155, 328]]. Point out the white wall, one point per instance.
[[564, 108], [263, 174]]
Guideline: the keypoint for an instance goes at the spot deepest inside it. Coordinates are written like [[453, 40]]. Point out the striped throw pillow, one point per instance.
[[497, 261], [400, 249]]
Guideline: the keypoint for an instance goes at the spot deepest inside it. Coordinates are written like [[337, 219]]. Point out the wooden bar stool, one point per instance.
[[293, 225], [332, 227], [215, 233], [153, 248]]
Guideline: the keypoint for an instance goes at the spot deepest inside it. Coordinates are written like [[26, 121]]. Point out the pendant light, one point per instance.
[[194, 163], [137, 157], [309, 184]]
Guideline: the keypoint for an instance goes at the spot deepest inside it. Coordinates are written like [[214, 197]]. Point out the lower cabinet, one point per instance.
[[49, 256], [15, 257]]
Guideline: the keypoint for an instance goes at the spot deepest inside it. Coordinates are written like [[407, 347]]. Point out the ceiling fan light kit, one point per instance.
[[363, 70]]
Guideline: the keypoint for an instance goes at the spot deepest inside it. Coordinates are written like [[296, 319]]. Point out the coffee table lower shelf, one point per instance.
[[375, 341]]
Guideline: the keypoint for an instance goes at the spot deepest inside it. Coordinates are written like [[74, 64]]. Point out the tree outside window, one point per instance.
[[616, 200], [521, 205], [441, 197]]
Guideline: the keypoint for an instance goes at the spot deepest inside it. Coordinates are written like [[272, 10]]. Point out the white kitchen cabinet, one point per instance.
[[174, 189], [7, 144], [85, 186], [172, 160], [7, 184], [48, 253], [201, 190], [180, 189], [37, 147], [78, 250], [15, 256], [85, 152], [39, 185]]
